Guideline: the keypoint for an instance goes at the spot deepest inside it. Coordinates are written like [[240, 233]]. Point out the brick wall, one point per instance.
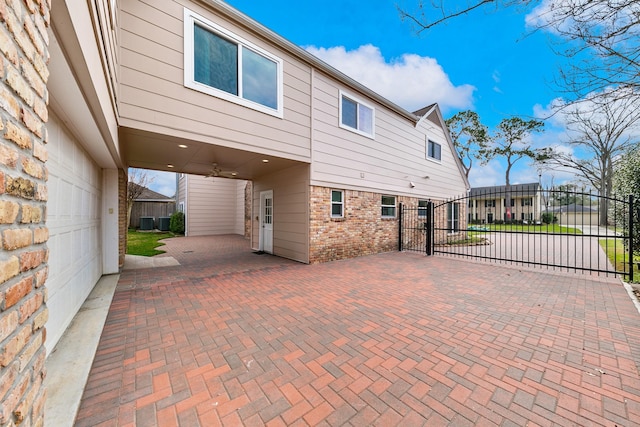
[[123, 181], [23, 195], [362, 231], [248, 198]]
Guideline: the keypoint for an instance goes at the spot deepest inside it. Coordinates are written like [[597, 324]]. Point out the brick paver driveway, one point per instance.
[[391, 339]]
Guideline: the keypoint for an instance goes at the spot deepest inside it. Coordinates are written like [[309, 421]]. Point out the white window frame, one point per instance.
[[341, 203], [433, 159], [394, 206], [190, 20], [181, 207], [358, 101]]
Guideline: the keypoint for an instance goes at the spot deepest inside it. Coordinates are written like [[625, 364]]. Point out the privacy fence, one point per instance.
[[527, 225]]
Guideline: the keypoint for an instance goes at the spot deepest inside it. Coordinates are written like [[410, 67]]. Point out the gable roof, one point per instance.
[[529, 189], [434, 109], [149, 195], [573, 208]]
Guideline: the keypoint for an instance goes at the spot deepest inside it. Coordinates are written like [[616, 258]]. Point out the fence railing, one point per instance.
[[553, 228]]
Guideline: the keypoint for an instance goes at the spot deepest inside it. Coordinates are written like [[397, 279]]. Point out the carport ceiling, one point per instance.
[[153, 151]]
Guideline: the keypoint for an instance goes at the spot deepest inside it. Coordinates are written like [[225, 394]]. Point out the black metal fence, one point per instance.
[[527, 225]]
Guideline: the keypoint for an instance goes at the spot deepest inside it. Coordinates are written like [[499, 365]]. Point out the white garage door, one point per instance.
[[73, 219]]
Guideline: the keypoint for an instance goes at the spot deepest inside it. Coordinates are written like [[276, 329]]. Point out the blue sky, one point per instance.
[[487, 61]]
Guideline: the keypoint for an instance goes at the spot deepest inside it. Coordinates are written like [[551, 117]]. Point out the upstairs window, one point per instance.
[[490, 203], [434, 150], [356, 116], [222, 64]]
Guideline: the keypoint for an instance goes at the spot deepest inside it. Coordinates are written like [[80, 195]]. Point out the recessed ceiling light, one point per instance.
[[234, 173], [169, 166], [265, 160], [182, 146]]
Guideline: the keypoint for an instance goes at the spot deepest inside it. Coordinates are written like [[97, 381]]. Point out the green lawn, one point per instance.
[[145, 244], [619, 257], [543, 228]]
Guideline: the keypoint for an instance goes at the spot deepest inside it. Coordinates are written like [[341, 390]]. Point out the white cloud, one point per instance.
[[487, 175], [411, 81], [163, 183]]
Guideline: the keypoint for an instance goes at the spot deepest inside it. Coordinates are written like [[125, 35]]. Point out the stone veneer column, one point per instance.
[[23, 195]]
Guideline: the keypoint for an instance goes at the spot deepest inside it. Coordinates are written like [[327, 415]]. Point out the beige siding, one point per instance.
[[153, 96], [212, 206], [290, 212], [386, 164]]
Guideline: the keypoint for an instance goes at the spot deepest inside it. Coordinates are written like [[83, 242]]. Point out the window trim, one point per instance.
[[190, 20], [341, 203], [428, 157], [359, 102], [395, 207]]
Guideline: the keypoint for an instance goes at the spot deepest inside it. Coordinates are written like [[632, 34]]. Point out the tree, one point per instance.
[[469, 136], [601, 132], [600, 37], [139, 180], [626, 181], [511, 141]]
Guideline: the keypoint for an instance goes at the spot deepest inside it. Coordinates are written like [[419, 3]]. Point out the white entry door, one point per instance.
[[266, 221]]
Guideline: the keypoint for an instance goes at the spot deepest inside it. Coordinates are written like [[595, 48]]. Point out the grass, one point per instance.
[[519, 228], [145, 244], [619, 257], [470, 240]]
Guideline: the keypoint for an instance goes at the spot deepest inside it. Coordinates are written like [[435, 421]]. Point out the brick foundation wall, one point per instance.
[[362, 231], [23, 196]]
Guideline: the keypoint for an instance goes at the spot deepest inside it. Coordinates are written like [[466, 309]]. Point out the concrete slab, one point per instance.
[[69, 363], [136, 262]]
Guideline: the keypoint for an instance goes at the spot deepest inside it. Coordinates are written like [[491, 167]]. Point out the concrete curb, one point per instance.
[[69, 363]]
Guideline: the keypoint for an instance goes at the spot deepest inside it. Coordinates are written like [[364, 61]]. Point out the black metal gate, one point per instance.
[[555, 229]]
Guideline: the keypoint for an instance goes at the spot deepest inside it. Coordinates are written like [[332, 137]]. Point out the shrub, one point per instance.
[[176, 223], [547, 217]]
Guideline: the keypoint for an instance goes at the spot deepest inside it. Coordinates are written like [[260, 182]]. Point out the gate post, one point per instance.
[[630, 238], [429, 228], [400, 206]]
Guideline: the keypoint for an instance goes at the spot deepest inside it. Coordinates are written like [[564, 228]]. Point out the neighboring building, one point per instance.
[[150, 204], [489, 204], [574, 214], [131, 84], [212, 206]]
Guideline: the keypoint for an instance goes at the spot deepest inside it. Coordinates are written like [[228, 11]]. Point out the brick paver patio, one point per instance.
[[391, 339]]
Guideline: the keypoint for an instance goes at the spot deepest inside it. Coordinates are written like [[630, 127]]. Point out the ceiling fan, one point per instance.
[[216, 172]]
